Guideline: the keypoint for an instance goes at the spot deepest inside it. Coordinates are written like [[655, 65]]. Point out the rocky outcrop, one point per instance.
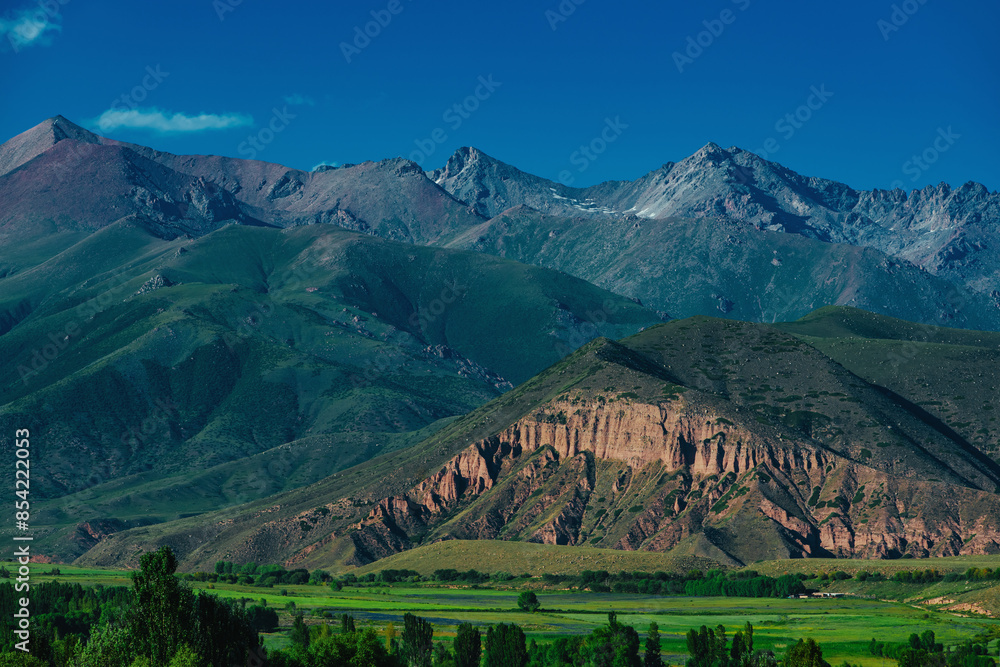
[[474, 471], [538, 480], [89, 533]]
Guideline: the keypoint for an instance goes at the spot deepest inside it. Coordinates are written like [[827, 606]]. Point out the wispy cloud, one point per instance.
[[296, 99], [156, 120], [33, 26], [324, 163]]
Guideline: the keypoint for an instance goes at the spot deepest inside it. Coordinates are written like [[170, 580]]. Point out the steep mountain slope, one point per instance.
[[145, 362], [917, 362], [696, 266], [700, 437]]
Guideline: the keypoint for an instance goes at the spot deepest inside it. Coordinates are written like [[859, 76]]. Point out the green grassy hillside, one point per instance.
[[166, 378], [716, 266], [518, 558]]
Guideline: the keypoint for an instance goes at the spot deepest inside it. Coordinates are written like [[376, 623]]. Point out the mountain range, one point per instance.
[[386, 348], [722, 231]]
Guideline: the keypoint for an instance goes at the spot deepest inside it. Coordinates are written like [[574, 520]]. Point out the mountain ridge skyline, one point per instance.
[[734, 94], [59, 177], [61, 121]]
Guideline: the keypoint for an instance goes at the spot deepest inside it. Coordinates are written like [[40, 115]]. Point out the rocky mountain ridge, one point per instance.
[[946, 231]]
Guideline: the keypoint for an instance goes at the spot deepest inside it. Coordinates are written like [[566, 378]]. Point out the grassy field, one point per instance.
[[530, 558], [887, 567], [843, 626]]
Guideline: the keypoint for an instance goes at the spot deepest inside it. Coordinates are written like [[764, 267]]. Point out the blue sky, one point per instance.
[[887, 82]]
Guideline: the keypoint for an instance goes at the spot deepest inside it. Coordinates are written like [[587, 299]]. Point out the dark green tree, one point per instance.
[[21, 659], [299, 635], [651, 657], [910, 657], [742, 654], [417, 641], [162, 616], [528, 601], [468, 646], [219, 632], [347, 623], [565, 651], [160, 607], [262, 619], [805, 653], [614, 645], [442, 655], [968, 655], [505, 646], [929, 642], [703, 647], [361, 648]]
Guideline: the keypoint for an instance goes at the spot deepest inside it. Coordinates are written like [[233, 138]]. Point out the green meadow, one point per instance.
[[843, 626]]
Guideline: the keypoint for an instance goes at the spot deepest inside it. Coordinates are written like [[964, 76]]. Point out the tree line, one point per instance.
[[743, 583], [924, 650], [615, 644], [601, 581]]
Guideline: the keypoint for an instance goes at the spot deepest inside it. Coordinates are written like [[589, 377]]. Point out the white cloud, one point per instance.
[[161, 121], [296, 99], [324, 163], [29, 27]]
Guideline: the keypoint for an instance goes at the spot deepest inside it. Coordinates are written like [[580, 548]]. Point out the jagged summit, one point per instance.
[[490, 186], [710, 148]]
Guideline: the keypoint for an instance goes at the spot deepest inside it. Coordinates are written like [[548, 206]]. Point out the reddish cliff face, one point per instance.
[[634, 475]]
